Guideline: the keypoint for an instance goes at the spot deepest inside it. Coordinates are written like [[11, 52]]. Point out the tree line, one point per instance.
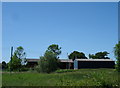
[[49, 62]]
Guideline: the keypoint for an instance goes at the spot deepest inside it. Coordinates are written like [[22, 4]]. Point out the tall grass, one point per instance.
[[82, 77]]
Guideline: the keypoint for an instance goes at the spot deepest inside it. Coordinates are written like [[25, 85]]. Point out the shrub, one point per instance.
[[65, 70], [37, 68], [24, 69], [47, 63], [117, 55]]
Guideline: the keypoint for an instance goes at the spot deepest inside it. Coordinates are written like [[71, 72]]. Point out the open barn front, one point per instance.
[[93, 63], [31, 63], [66, 64], [78, 63]]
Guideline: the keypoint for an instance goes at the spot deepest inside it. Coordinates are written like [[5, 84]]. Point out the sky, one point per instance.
[[87, 27]]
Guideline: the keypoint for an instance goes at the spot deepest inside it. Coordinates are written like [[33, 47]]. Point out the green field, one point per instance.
[[82, 77]]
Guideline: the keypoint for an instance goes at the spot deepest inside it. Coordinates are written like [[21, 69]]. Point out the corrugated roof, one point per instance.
[[61, 60], [32, 60], [66, 60], [93, 59], [70, 60]]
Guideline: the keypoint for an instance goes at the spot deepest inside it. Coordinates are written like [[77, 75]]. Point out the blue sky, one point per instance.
[[87, 27]]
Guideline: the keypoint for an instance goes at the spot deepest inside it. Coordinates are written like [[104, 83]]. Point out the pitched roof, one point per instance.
[[94, 59], [32, 60], [66, 60], [61, 60], [70, 60]]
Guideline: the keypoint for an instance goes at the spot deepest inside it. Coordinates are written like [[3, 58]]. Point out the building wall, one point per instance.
[[80, 64], [31, 64], [96, 64], [63, 65], [75, 64], [66, 65]]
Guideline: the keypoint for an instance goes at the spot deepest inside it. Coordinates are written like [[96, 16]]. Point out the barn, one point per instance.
[[78, 63], [93, 63], [32, 62], [66, 64]]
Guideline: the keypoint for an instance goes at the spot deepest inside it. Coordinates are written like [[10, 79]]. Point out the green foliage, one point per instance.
[[14, 63], [4, 65], [92, 56], [99, 55], [18, 59], [65, 70], [90, 77], [103, 78], [38, 68], [117, 55], [21, 54], [47, 63], [54, 48], [77, 55], [24, 68]]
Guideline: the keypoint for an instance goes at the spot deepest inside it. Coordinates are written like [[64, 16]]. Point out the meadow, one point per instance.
[[81, 77]]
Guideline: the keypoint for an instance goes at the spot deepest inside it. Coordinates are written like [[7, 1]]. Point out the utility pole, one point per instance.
[[11, 57], [68, 62]]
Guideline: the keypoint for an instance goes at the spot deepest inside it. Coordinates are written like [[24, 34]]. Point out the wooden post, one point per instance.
[[11, 57]]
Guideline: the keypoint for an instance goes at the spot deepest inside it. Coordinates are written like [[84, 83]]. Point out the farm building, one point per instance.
[[78, 63], [93, 63], [32, 62], [64, 63]]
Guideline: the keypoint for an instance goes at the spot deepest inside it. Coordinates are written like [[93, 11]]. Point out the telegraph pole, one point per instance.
[[68, 62], [11, 57]]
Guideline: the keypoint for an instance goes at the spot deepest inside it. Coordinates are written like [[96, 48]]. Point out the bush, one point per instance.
[[65, 70], [15, 63], [4, 65], [24, 69], [117, 54], [37, 68], [47, 63]]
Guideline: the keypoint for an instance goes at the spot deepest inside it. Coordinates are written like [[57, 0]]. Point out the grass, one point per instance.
[[82, 77]]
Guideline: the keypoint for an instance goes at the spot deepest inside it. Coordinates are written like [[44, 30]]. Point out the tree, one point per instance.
[[117, 55], [4, 65], [14, 63], [92, 56], [55, 49], [49, 62], [77, 55], [18, 59], [99, 55], [21, 54]]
